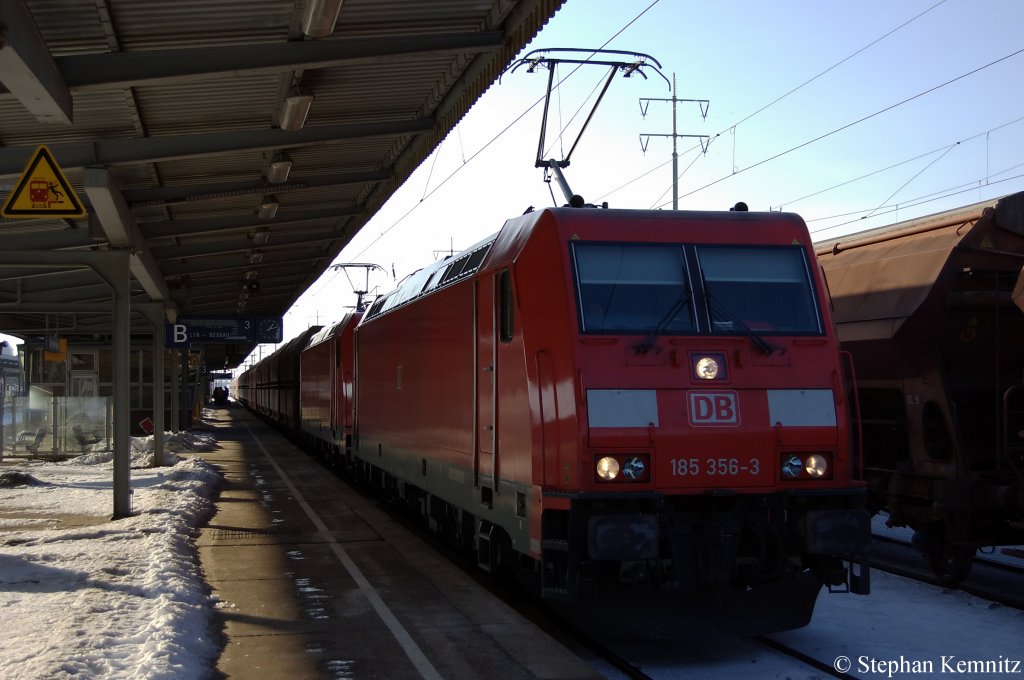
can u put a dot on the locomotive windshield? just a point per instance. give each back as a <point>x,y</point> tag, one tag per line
<point>633,288</point>
<point>766,289</point>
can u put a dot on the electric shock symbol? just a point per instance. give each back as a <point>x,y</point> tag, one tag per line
<point>42,191</point>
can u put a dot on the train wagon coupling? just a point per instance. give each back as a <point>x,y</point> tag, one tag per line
<point>550,58</point>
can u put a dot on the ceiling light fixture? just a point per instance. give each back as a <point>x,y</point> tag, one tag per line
<point>320,17</point>
<point>279,168</point>
<point>260,236</point>
<point>268,209</point>
<point>295,109</point>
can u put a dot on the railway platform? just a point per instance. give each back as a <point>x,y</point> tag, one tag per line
<point>314,580</point>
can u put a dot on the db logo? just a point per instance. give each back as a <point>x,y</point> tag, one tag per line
<point>714,409</point>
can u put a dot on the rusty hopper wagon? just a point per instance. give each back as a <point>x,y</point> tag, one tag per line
<point>927,310</point>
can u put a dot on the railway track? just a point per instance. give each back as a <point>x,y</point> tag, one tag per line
<point>739,657</point>
<point>905,621</point>
<point>843,633</point>
<point>989,579</point>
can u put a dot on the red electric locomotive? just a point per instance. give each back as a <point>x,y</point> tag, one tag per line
<point>326,397</point>
<point>643,412</point>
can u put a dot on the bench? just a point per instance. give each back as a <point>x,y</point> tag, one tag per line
<point>83,439</point>
<point>30,440</point>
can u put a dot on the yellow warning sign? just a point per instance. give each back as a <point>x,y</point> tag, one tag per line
<point>42,191</point>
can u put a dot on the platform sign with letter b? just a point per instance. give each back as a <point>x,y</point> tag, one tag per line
<point>193,330</point>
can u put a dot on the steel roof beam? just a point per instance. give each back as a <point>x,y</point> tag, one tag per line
<point>218,226</point>
<point>119,225</point>
<point>31,323</point>
<point>14,270</point>
<point>48,240</point>
<point>102,263</point>
<point>196,280</point>
<point>131,69</point>
<point>211,192</point>
<point>26,68</point>
<point>254,304</point>
<point>308,261</point>
<point>87,292</point>
<point>240,244</point>
<point>108,152</point>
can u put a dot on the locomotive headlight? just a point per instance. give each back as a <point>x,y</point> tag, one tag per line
<point>792,467</point>
<point>634,468</point>
<point>805,466</point>
<point>709,366</point>
<point>607,468</point>
<point>816,466</point>
<point>623,468</point>
<point>706,368</point>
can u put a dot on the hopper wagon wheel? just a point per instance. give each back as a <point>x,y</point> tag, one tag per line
<point>950,562</point>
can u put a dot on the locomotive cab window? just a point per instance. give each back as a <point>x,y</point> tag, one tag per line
<point>505,306</point>
<point>632,288</point>
<point>761,289</point>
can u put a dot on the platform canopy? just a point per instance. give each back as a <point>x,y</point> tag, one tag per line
<point>233,147</point>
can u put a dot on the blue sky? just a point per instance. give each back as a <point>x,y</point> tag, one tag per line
<point>870,81</point>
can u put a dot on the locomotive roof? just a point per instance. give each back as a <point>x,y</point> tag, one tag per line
<point>505,245</point>
<point>437,275</point>
<point>330,330</point>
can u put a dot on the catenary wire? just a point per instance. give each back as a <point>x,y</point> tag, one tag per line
<point>917,201</point>
<point>780,98</point>
<point>855,122</point>
<point>895,165</point>
<point>916,175</point>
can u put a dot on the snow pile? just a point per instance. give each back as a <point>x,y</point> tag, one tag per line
<point>121,599</point>
<point>13,478</point>
<point>142,449</point>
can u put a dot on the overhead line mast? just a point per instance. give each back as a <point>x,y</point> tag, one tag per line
<point>645,138</point>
